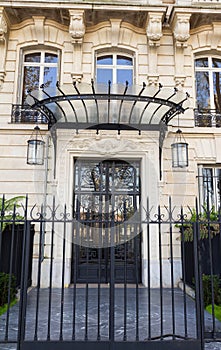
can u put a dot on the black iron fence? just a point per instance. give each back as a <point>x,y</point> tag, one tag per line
<point>147,298</point>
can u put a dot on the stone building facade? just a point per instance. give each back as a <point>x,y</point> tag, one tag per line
<point>173,43</point>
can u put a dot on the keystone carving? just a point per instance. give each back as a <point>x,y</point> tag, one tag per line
<point>154,28</point>
<point>181,29</point>
<point>39,28</point>
<point>77,26</point>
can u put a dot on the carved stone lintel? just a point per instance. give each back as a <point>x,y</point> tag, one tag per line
<point>3,26</point>
<point>181,29</point>
<point>154,28</point>
<point>77,26</point>
<point>180,81</point>
<point>153,79</point>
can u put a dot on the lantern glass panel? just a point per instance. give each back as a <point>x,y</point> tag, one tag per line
<point>179,155</point>
<point>35,154</point>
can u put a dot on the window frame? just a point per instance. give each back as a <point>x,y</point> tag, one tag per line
<point>210,69</point>
<point>40,64</point>
<point>212,181</point>
<point>115,66</point>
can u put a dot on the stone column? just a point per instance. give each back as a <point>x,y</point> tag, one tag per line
<point>3,44</point>
<point>154,34</point>
<point>77,31</point>
<point>181,33</point>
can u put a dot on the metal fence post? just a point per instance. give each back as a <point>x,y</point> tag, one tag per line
<point>24,284</point>
<point>198,280</point>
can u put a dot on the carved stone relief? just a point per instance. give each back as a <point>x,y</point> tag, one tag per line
<point>181,28</point>
<point>3,26</point>
<point>3,44</point>
<point>77,30</point>
<point>77,26</point>
<point>154,28</point>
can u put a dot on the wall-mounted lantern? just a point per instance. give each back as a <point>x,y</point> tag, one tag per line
<point>179,151</point>
<point>35,150</point>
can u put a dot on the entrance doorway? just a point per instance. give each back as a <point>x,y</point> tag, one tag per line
<point>107,211</point>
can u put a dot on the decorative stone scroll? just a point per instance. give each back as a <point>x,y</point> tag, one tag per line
<point>3,25</point>
<point>154,28</point>
<point>77,26</point>
<point>3,44</point>
<point>181,28</point>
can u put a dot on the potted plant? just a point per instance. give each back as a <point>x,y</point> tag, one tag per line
<point>12,232</point>
<point>208,221</point>
<point>209,226</point>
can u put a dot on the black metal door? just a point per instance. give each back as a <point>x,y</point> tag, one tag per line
<point>106,207</point>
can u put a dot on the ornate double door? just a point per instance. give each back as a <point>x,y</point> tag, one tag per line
<point>107,228</point>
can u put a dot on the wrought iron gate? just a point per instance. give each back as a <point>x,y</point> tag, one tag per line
<point>106,193</point>
<point>155,314</point>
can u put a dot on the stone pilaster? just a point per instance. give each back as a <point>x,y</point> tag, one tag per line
<point>77,30</point>
<point>154,34</point>
<point>181,34</point>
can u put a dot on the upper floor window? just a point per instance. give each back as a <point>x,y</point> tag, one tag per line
<point>114,67</point>
<point>210,186</point>
<point>208,81</point>
<point>39,68</point>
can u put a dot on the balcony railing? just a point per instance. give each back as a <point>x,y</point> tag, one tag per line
<point>208,1</point>
<point>24,114</point>
<point>207,118</point>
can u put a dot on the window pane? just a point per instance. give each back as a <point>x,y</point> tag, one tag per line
<point>208,186</point>
<point>218,185</point>
<point>50,76</point>
<point>105,60</point>
<point>33,57</point>
<point>201,62</point>
<point>124,61</point>
<point>104,75</point>
<point>216,90</point>
<point>216,62</point>
<point>51,58</point>
<point>124,75</point>
<point>31,79</point>
<point>202,90</point>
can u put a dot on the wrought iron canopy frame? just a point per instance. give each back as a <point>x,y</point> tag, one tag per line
<point>92,107</point>
<point>109,107</point>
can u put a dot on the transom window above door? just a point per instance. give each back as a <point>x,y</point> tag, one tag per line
<point>116,68</point>
<point>39,68</point>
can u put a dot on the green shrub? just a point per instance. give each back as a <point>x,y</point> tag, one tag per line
<point>8,211</point>
<point>217,311</point>
<point>208,220</point>
<point>207,289</point>
<point>4,285</point>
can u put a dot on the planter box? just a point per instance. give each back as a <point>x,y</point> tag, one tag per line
<point>210,263</point>
<point>16,248</point>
